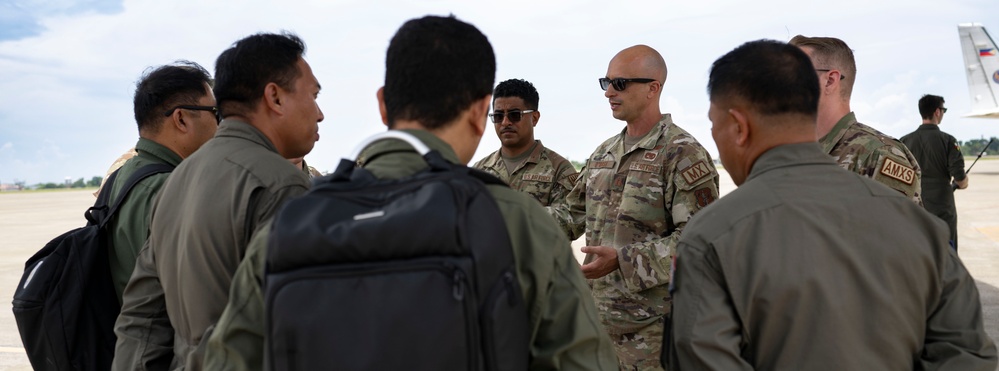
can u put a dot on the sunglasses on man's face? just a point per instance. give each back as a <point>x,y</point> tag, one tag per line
<point>620,83</point>
<point>213,110</point>
<point>513,115</point>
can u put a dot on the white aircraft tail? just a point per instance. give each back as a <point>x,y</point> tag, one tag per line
<point>981,60</point>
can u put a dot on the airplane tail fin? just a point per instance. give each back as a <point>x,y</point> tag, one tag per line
<point>981,59</point>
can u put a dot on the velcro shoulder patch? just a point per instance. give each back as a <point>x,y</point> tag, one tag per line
<point>695,172</point>
<point>897,171</point>
<point>537,178</point>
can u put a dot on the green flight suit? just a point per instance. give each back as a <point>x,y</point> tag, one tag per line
<point>638,200</point>
<point>201,224</point>
<point>566,332</point>
<point>809,267</point>
<point>940,158</point>
<point>130,226</point>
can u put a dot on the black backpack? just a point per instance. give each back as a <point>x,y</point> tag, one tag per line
<point>65,305</point>
<point>408,274</point>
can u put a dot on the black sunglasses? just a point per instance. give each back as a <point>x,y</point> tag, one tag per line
<point>213,110</point>
<point>943,109</point>
<point>620,83</point>
<point>513,115</point>
<point>841,75</point>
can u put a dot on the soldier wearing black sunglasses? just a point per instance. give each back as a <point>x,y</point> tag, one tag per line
<point>522,161</point>
<point>635,194</point>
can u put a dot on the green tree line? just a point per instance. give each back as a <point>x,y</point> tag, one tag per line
<point>974,146</point>
<point>79,183</point>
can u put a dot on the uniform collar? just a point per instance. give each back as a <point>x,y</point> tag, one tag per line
<point>148,148</point>
<point>239,129</point>
<point>789,155</point>
<point>394,145</point>
<point>929,127</point>
<point>838,131</point>
<point>650,139</point>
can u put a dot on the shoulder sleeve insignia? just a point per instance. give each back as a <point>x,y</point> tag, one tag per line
<point>898,171</point>
<point>695,172</point>
<point>703,196</point>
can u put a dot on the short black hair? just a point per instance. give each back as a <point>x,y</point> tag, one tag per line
<point>243,70</point>
<point>434,69</point>
<point>518,88</point>
<point>929,104</point>
<point>162,88</point>
<point>772,76</point>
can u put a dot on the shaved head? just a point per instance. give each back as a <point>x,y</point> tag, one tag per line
<point>643,61</point>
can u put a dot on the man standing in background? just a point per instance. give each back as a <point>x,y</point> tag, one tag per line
<point>940,158</point>
<point>522,161</point>
<point>855,146</point>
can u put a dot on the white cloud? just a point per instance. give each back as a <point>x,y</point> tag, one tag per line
<point>67,92</point>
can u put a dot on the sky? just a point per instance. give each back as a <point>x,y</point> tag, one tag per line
<point>68,68</point>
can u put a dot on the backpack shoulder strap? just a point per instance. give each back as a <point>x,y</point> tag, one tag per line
<point>143,173</point>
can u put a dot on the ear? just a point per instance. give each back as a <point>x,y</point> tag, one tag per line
<point>537,116</point>
<point>272,97</point>
<point>742,126</point>
<point>478,113</point>
<point>381,105</point>
<point>831,83</point>
<point>177,120</point>
<point>654,88</point>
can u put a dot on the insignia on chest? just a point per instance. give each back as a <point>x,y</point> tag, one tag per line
<point>537,178</point>
<point>644,167</point>
<point>602,164</point>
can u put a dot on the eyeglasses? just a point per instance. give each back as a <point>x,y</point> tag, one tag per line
<point>213,110</point>
<point>841,75</point>
<point>620,83</point>
<point>943,109</point>
<point>513,115</point>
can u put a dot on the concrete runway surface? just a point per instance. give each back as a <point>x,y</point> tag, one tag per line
<point>28,220</point>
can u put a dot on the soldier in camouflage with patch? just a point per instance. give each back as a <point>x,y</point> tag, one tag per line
<point>855,146</point>
<point>634,196</point>
<point>522,161</point>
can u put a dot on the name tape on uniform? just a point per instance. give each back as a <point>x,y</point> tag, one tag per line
<point>537,178</point>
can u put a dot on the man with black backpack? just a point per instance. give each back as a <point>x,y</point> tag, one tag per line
<point>176,114</point>
<point>214,201</point>
<point>377,289</point>
<point>70,295</point>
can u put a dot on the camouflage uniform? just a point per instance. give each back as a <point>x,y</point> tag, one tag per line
<point>310,171</point>
<point>545,175</point>
<point>637,201</point>
<point>862,149</point>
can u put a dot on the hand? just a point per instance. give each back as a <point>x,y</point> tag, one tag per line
<point>605,261</point>
<point>962,184</point>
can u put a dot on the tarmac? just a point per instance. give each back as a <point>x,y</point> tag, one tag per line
<point>30,219</point>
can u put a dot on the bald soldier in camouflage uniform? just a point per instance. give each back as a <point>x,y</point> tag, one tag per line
<point>634,196</point>
<point>855,146</point>
<point>522,161</point>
